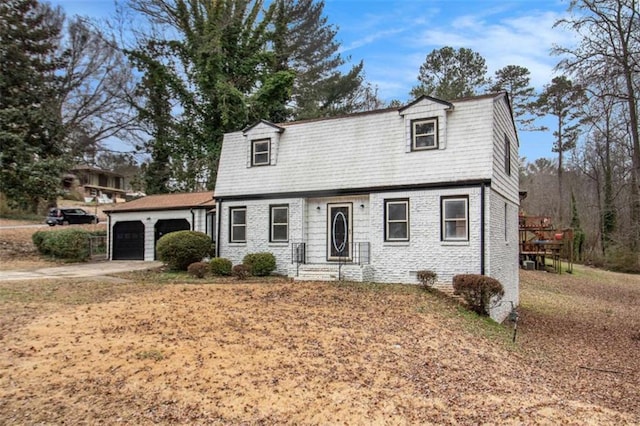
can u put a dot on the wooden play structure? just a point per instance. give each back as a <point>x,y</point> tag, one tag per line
<point>542,246</point>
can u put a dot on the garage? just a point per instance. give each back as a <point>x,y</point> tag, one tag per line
<point>134,227</point>
<point>128,240</point>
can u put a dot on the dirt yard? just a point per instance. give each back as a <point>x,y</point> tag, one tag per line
<point>164,348</point>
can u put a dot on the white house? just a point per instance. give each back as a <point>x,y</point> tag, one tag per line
<point>378,196</point>
<point>134,227</point>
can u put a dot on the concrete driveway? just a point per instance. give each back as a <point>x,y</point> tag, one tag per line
<point>79,270</point>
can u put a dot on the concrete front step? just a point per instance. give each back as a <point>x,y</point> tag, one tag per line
<point>317,273</point>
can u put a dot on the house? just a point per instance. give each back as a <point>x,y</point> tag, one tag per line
<point>380,195</point>
<point>96,184</point>
<point>134,227</point>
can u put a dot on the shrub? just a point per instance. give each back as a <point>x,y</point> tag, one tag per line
<point>260,264</point>
<point>180,249</point>
<point>427,278</point>
<point>621,259</point>
<point>477,291</point>
<point>220,266</point>
<point>67,244</point>
<point>241,272</point>
<point>198,269</point>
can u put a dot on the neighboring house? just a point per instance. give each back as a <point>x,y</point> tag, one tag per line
<point>380,195</point>
<point>96,184</point>
<point>134,227</point>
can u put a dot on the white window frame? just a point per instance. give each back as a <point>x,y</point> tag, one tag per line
<point>255,153</point>
<point>445,219</point>
<point>233,225</point>
<point>273,224</point>
<point>415,134</point>
<point>388,220</point>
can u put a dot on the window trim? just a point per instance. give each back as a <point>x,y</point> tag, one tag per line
<point>272,224</point>
<point>436,135</point>
<point>254,142</point>
<point>232,225</point>
<point>387,221</point>
<point>507,155</point>
<point>443,219</point>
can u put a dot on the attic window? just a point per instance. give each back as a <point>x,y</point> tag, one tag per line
<point>424,134</point>
<point>261,152</point>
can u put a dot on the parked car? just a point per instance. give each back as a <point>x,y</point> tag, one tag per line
<point>70,216</point>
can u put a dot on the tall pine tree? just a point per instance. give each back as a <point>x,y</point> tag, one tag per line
<point>31,134</point>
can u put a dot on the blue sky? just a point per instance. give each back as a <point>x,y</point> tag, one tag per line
<point>393,38</point>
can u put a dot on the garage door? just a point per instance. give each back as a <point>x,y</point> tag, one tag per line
<point>128,240</point>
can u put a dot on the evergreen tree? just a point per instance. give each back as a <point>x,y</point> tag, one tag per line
<point>305,43</point>
<point>31,133</point>
<point>450,74</point>
<point>515,80</point>
<point>562,99</point>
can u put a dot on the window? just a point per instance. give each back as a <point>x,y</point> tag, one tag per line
<point>424,134</point>
<point>454,219</point>
<point>507,156</point>
<point>261,152</point>
<point>238,225</point>
<point>396,220</point>
<point>279,220</point>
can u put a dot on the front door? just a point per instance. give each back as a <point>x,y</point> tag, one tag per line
<point>339,232</point>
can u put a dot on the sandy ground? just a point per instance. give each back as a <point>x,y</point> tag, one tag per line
<point>163,348</point>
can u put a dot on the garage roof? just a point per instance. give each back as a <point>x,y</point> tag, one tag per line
<point>176,201</point>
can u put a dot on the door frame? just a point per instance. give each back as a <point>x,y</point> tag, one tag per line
<point>331,222</point>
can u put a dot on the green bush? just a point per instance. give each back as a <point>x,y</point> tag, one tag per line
<point>180,249</point>
<point>198,269</point>
<point>260,264</point>
<point>220,266</point>
<point>477,291</point>
<point>67,244</point>
<point>241,272</point>
<point>427,278</point>
<point>621,259</point>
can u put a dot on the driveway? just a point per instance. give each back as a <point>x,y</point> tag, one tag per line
<point>79,270</point>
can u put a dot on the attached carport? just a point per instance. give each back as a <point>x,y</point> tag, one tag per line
<point>135,227</point>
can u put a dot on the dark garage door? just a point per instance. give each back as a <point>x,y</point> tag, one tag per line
<point>128,240</point>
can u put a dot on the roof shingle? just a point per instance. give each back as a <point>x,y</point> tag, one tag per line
<point>167,202</point>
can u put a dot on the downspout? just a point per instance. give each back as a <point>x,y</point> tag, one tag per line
<point>193,220</point>
<point>110,235</point>
<point>482,227</point>
<point>217,231</point>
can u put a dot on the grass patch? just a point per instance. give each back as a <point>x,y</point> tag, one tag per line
<point>152,354</point>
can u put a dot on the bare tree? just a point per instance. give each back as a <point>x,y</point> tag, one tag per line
<point>97,82</point>
<point>609,50</point>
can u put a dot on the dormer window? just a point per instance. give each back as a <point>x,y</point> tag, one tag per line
<point>261,152</point>
<point>424,134</point>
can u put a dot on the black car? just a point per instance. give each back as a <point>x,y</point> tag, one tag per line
<point>69,216</point>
